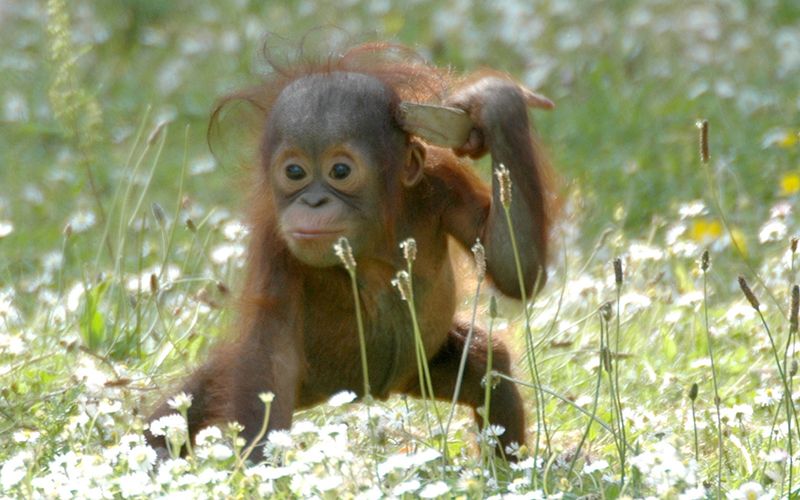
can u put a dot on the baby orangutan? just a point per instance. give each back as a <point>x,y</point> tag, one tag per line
<point>348,150</point>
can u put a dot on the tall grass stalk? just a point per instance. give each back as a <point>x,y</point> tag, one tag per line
<point>504,180</point>
<point>603,328</point>
<point>479,255</point>
<point>126,219</point>
<point>702,126</point>
<point>692,398</point>
<point>615,390</point>
<point>157,139</point>
<point>616,421</point>
<point>170,240</point>
<point>705,263</point>
<point>134,336</point>
<point>602,423</point>
<point>793,311</point>
<point>488,385</point>
<point>122,195</point>
<point>790,411</point>
<point>167,242</point>
<point>129,165</point>
<point>344,251</point>
<point>405,285</point>
<point>66,233</point>
<point>422,363</point>
<point>267,399</point>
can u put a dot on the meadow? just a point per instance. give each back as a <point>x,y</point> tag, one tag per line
<point>664,342</point>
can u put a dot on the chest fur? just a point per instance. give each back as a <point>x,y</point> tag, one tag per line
<point>331,335</point>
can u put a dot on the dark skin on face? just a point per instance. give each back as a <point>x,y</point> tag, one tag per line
<point>326,168</point>
<point>337,162</point>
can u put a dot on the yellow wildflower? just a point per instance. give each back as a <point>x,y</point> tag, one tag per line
<point>704,229</point>
<point>790,183</point>
<point>788,139</point>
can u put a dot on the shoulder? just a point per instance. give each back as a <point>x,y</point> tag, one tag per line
<point>449,175</point>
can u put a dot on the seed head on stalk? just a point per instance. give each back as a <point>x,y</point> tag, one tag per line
<point>748,293</point>
<point>693,391</point>
<point>159,214</point>
<point>618,271</point>
<point>607,311</point>
<point>409,248</point>
<point>403,283</point>
<point>479,254</point>
<point>504,179</point>
<point>344,251</point>
<point>702,126</point>
<point>794,309</point>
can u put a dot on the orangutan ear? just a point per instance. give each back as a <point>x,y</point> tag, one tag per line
<point>437,125</point>
<point>414,166</point>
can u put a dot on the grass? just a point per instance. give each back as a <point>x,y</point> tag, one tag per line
<point>121,246</point>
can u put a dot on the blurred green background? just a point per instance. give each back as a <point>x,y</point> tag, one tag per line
<point>629,78</point>
<point>90,89</point>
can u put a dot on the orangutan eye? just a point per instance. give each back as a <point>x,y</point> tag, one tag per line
<point>340,171</point>
<point>295,172</point>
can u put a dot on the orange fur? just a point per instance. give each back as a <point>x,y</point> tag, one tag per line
<point>296,334</point>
